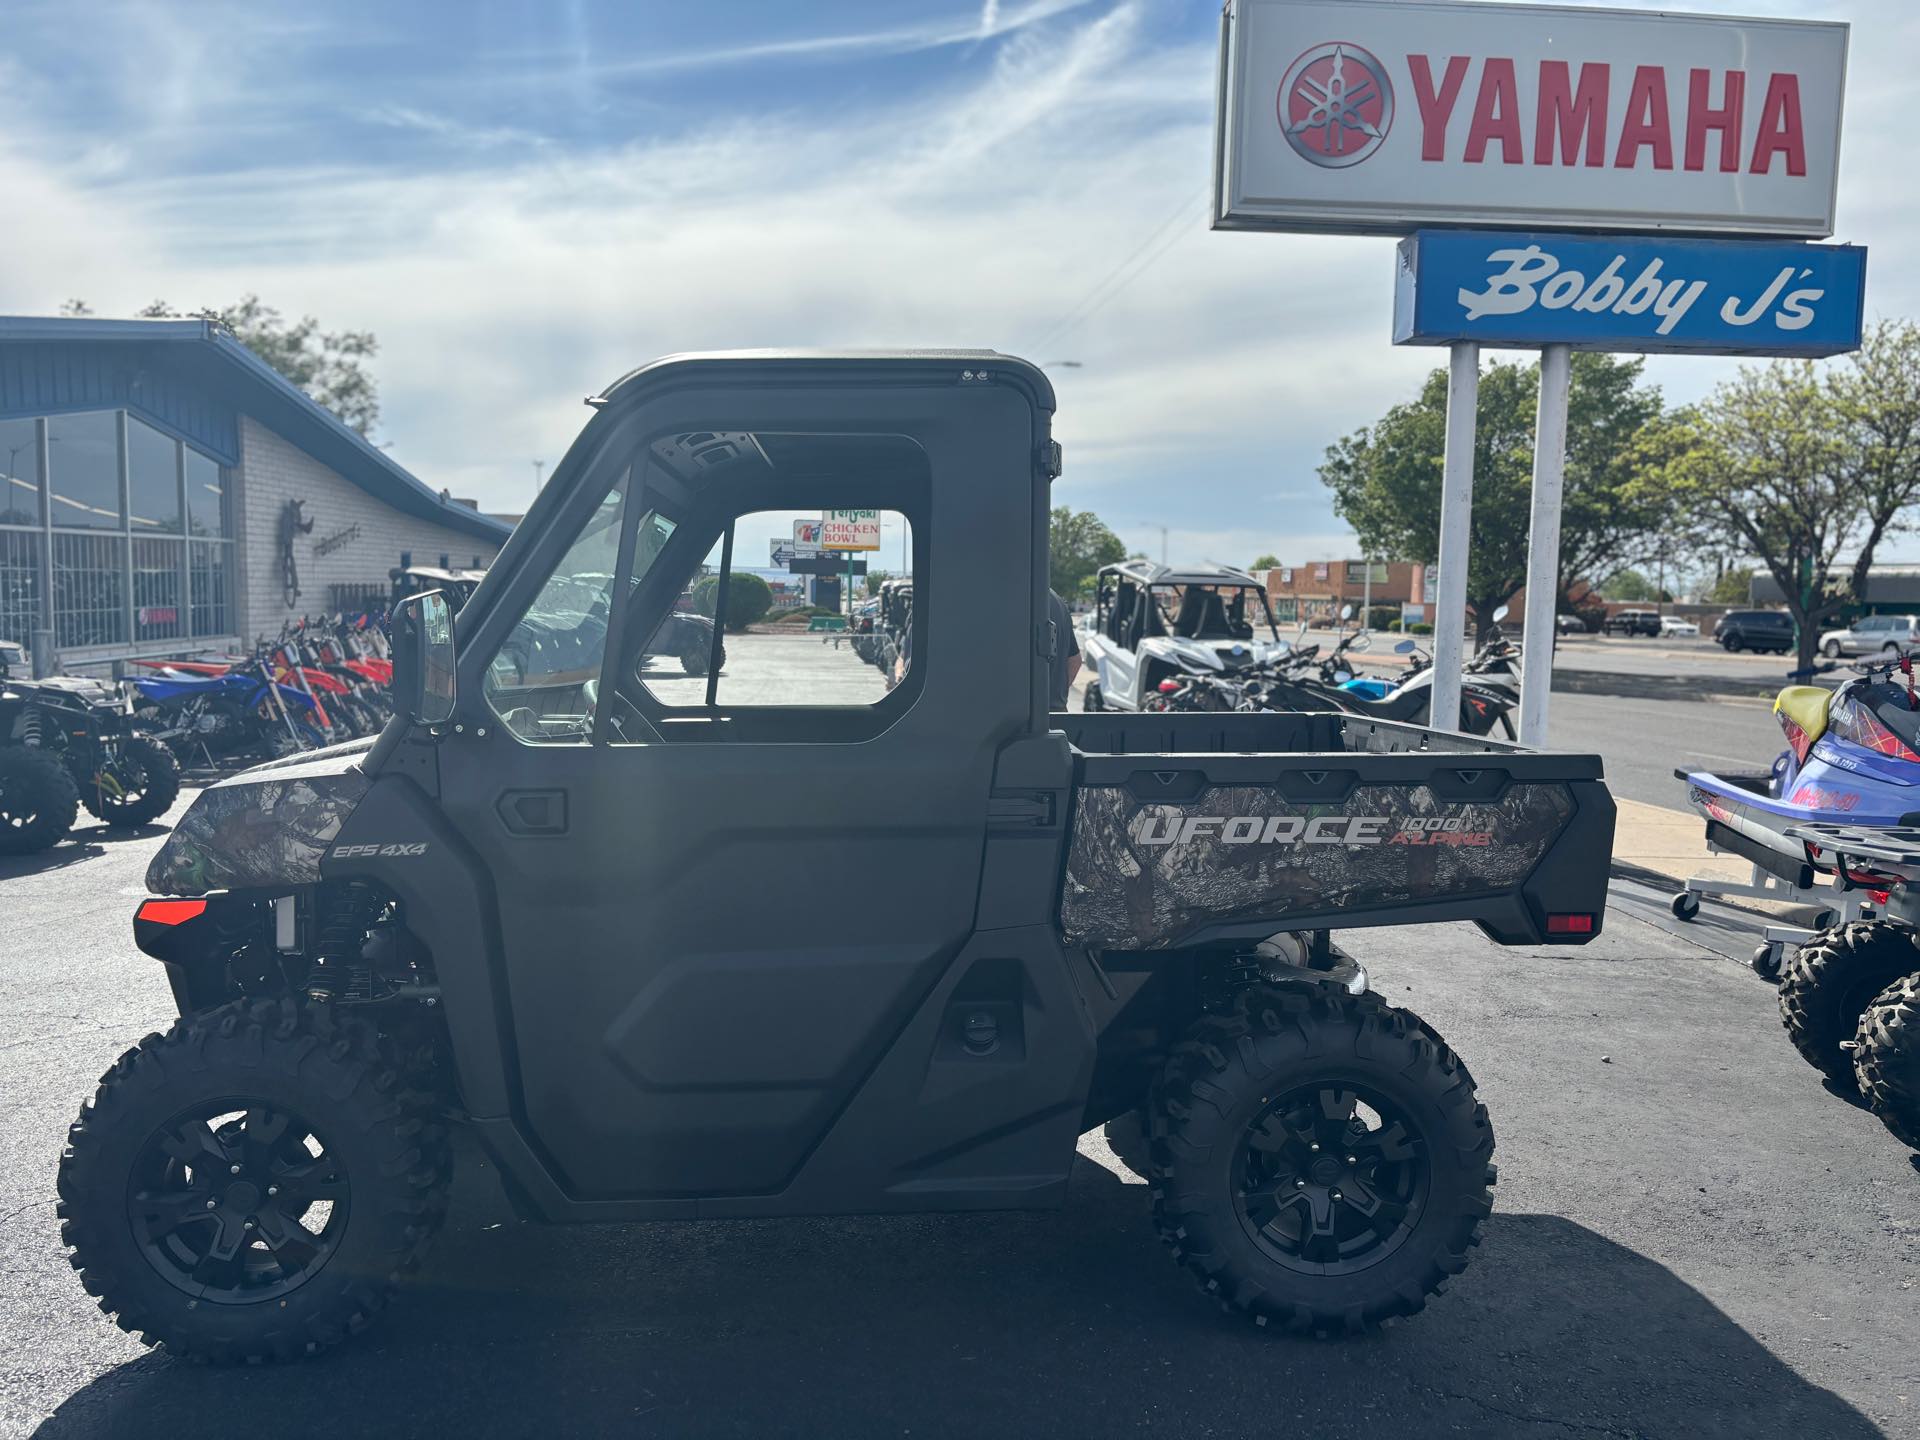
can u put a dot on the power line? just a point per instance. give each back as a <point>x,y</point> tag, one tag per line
<point>1118,278</point>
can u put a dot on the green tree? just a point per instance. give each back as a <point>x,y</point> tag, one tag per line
<point>748,598</point>
<point>1734,587</point>
<point>875,579</point>
<point>1266,562</point>
<point>1386,477</point>
<point>1078,544</point>
<point>330,365</point>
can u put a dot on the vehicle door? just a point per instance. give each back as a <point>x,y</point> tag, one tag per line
<point>1120,664</point>
<point>721,895</point>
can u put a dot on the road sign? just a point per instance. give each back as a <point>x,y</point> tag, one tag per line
<point>1377,116</point>
<point>1634,293</point>
<point>827,565</point>
<point>850,530</point>
<point>781,551</point>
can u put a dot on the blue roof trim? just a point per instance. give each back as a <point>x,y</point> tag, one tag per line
<point>246,381</point>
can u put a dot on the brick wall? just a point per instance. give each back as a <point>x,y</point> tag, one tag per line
<point>272,471</point>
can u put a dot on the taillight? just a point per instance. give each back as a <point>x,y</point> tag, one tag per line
<point>170,912</point>
<point>1570,924</point>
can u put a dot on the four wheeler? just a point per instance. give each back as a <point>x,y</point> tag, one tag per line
<point>588,920</point>
<point>1154,622</point>
<point>67,742</point>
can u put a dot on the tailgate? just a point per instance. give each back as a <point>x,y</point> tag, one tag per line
<point>1180,849</point>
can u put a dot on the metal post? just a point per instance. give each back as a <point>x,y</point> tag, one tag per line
<point>1366,594</point>
<point>1543,543</point>
<point>1456,522</point>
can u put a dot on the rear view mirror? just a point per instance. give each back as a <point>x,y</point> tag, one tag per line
<point>423,678</point>
<point>1346,612</point>
<point>1405,647</point>
<point>1501,613</point>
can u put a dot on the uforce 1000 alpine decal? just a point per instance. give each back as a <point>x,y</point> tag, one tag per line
<point>1144,875</point>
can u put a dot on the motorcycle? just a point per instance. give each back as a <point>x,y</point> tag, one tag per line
<point>237,711</point>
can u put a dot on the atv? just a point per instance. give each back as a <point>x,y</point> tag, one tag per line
<point>591,924</point>
<point>68,742</point>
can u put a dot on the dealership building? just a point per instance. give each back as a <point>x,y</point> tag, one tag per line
<point>167,492</point>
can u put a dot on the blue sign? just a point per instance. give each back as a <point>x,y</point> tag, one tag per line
<point>1628,292</point>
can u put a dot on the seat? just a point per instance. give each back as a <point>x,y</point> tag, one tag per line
<point>1803,714</point>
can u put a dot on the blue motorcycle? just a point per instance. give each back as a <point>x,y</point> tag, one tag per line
<point>227,714</point>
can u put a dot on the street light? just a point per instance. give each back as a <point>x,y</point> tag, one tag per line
<point>1156,525</point>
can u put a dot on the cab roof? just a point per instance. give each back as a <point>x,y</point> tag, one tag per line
<point>1145,572</point>
<point>853,367</point>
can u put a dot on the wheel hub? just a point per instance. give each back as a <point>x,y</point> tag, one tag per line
<point>1331,1178</point>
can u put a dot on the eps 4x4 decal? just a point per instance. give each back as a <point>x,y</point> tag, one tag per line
<point>356,852</point>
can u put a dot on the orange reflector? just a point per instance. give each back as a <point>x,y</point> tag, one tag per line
<point>170,912</point>
<point>1569,924</point>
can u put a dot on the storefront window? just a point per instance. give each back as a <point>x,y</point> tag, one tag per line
<point>206,495</point>
<point>83,470</point>
<point>20,482</point>
<point>89,590</point>
<point>153,479</point>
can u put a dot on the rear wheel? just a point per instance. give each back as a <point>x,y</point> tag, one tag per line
<point>1321,1161</point>
<point>1829,983</point>
<point>1886,1058</point>
<point>1831,649</point>
<point>252,1184</point>
<point>1731,644</point>
<point>693,659</point>
<point>1091,699</point>
<point>139,783</point>
<point>38,800</point>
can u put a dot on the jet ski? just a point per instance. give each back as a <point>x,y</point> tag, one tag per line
<point>1852,758</point>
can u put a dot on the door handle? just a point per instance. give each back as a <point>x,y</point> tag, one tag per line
<point>533,812</point>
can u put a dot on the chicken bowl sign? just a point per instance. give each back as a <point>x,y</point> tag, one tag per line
<point>1371,116</point>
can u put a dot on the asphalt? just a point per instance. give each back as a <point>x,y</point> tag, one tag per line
<point>1692,1238</point>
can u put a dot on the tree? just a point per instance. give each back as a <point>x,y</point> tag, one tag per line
<point>748,598</point>
<point>1386,478</point>
<point>1266,562</point>
<point>1734,587</point>
<point>1078,544</point>
<point>875,579</point>
<point>330,365</point>
<point>1628,584</point>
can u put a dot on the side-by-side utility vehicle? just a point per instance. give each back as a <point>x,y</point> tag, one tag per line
<point>603,919</point>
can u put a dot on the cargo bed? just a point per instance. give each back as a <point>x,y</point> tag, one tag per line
<point>1200,828</point>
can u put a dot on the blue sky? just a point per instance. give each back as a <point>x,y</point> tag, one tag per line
<point>525,200</point>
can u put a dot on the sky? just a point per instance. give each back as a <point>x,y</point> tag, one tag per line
<point>526,200</point>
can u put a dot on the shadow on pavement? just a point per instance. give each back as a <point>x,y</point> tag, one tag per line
<point>1690,686</point>
<point>1061,1324</point>
<point>57,857</point>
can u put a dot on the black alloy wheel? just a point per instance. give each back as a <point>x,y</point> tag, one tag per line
<point>1331,1179</point>
<point>235,1201</point>
<point>139,782</point>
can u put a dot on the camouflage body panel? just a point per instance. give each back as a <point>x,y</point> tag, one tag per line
<point>263,827</point>
<point>1147,875</point>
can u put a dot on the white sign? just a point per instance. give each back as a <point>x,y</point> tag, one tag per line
<point>849,530</point>
<point>1380,116</point>
<point>800,547</point>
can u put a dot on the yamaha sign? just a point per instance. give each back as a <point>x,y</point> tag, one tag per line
<point>1382,116</point>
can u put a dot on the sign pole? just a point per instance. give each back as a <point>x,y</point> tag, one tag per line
<point>1543,543</point>
<point>1456,523</point>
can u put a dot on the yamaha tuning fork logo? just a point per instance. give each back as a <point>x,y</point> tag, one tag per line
<point>1336,105</point>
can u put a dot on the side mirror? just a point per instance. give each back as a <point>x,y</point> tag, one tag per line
<point>1405,647</point>
<point>423,680</point>
<point>1346,613</point>
<point>1362,641</point>
<point>1500,613</point>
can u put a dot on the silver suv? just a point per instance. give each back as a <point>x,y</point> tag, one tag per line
<point>1873,635</point>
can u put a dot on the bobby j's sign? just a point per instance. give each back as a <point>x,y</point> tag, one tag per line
<point>1628,293</point>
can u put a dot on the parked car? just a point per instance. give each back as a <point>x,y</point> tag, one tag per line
<point>1766,631</point>
<point>1631,622</point>
<point>1675,625</point>
<point>1873,635</point>
<point>1570,625</point>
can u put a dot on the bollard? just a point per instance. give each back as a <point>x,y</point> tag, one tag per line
<point>46,660</point>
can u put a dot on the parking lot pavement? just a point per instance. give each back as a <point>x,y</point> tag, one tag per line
<point>1692,1238</point>
<point>775,669</point>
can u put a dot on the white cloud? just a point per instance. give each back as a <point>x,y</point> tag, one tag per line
<point>508,286</point>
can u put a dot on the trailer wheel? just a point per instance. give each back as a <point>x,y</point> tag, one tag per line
<point>1886,1058</point>
<point>1321,1160</point>
<point>252,1184</point>
<point>1686,905</point>
<point>38,800</point>
<point>1830,981</point>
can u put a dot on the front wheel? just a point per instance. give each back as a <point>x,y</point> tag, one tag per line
<point>251,1185</point>
<point>139,783</point>
<point>1831,649</point>
<point>38,800</point>
<point>694,659</point>
<point>1731,644</point>
<point>1321,1161</point>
